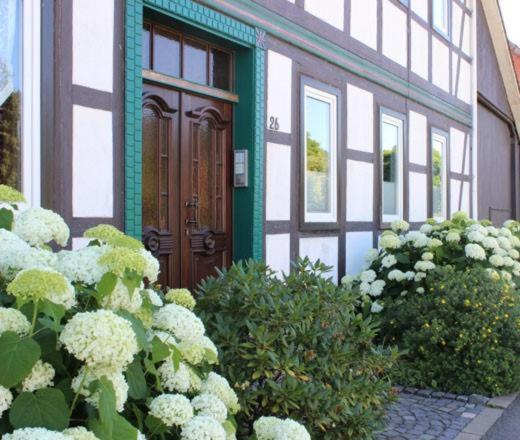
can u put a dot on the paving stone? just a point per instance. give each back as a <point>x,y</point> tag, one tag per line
<point>478,399</point>
<point>438,394</point>
<point>425,393</point>
<point>462,398</point>
<point>411,390</point>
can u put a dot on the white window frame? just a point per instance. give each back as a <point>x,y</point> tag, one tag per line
<point>31,101</point>
<point>442,30</point>
<point>441,137</point>
<point>389,117</point>
<point>332,100</point>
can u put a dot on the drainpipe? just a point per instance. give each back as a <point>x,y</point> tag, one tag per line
<point>474,137</point>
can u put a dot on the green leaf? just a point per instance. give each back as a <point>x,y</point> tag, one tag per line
<point>106,285</point>
<point>123,430</point>
<point>54,311</point>
<point>176,357</point>
<point>160,350</point>
<point>18,357</point>
<point>229,427</point>
<point>155,425</point>
<point>132,280</point>
<point>138,327</point>
<point>46,408</point>
<point>107,404</point>
<point>6,219</point>
<point>210,356</point>
<point>402,258</point>
<point>137,388</point>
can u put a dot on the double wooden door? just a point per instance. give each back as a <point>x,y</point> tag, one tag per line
<point>187,193</point>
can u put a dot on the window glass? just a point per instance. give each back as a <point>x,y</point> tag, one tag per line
<point>146,47</point>
<point>195,62</point>
<point>219,62</point>
<point>320,156</point>
<point>440,15</point>
<point>166,53</point>
<point>391,151</point>
<point>10,92</point>
<point>439,175</point>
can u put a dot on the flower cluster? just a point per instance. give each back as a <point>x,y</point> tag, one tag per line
<point>12,320</point>
<point>272,428</point>
<point>41,376</point>
<point>38,226</point>
<point>181,297</point>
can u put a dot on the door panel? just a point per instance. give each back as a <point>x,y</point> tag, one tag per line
<point>186,184</point>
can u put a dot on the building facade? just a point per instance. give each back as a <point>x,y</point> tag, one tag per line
<point>218,130</point>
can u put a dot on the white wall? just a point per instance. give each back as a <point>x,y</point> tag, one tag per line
<point>324,249</point>
<point>330,11</point>
<point>363,22</point>
<point>279,90</point>
<point>357,244</point>
<point>278,182</point>
<point>278,252</point>
<point>395,33</point>
<point>360,119</point>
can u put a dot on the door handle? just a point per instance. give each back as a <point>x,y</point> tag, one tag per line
<point>194,203</point>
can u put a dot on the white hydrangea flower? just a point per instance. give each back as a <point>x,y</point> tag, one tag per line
<point>272,428</point>
<point>12,320</point>
<point>475,236</point>
<point>404,293</point>
<point>424,266</point>
<point>410,275</point>
<point>368,276</point>
<point>264,427</point>
<point>210,405</point>
<point>101,339</point>
<point>399,226</point>
<point>396,275</point>
<point>203,428</point>
<point>417,238</point>
<point>453,237</point>
<point>195,381</point>
<point>388,261</point>
<point>420,290</point>
<point>376,289</point>
<point>426,229</point>
<point>427,256</point>
<point>376,307</point>
<point>371,256</point>
<point>195,352</point>
<point>496,260</point>
<point>492,231</point>
<point>475,251</point>
<point>434,243</point>
<point>506,275</point>
<point>152,268</point>
<point>390,241</point>
<point>80,384</point>
<point>171,409</point>
<point>41,376</point>
<point>508,261</point>
<point>364,287</point>
<point>513,253</point>
<point>419,276</point>
<point>504,243</point>
<point>121,299</point>
<point>516,269</point>
<point>184,324</point>
<point>477,227</point>
<point>80,433</point>
<point>347,280</point>
<point>501,252</point>
<point>6,398</point>
<point>505,232</point>
<point>219,386</point>
<point>35,434</point>
<point>172,379</point>
<point>81,265</point>
<point>515,241</point>
<point>490,243</point>
<point>154,297</point>
<point>39,226</point>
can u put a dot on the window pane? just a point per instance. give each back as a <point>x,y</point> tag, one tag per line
<point>219,63</point>
<point>390,146</point>
<point>195,62</point>
<point>440,15</point>
<point>10,92</point>
<point>166,53</point>
<point>318,145</point>
<point>146,47</point>
<point>437,178</point>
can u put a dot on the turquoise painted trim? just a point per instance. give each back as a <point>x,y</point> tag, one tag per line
<point>248,213</point>
<point>256,15</point>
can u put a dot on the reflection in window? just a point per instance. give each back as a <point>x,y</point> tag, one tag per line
<point>10,92</point>
<point>391,152</point>
<point>439,175</point>
<point>320,156</point>
<point>166,53</point>
<point>195,62</point>
<point>441,16</point>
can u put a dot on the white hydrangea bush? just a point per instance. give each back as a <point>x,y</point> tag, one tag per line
<point>405,257</point>
<point>89,344</point>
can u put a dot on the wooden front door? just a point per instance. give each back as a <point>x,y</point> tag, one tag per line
<point>186,184</point>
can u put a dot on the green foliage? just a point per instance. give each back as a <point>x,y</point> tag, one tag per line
<point>18,356</point>
<point>298,348</point>
<point>462,335</point>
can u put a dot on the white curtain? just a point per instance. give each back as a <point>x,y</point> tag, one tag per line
<point>9,46</point>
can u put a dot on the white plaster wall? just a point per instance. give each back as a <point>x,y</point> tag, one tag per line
<point>456,27</point>
<point>418,193</point>
<point>418,138</point>
<point>464,87</point>
<point>360,191</point>
<point>420,49</point>
<point>360,119</point>
<point>441,66</point>
<point>324,249</point>
<point>278,252</point>
<point>457,147</point>
<point>330,11</point>
<point>92,163</point>
<point>420,7</point>
<point>395,33</point>
<point>466,35</point>
<point>278,182</point>
<point>455,196</point>
<point>363,21</point>
<point>357,244</point>
<point>80,242</point>
<point>279,90</point>
<point>93,43</point>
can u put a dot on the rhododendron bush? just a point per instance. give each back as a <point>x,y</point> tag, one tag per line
<point>91,350</point>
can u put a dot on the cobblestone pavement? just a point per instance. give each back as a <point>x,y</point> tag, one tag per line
<point>426,415</point>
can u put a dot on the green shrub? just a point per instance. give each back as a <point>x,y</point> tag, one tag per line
<point>462,335</point>
<point>297,347</point>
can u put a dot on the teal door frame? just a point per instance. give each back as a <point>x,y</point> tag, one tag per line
<point>248,203</point>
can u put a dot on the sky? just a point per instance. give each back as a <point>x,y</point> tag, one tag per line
<point>511,15</point>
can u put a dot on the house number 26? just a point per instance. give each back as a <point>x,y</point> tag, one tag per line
<point>273,123</point>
